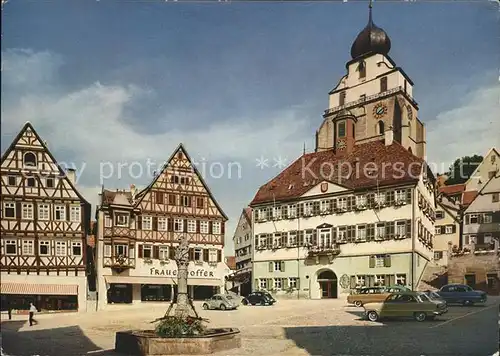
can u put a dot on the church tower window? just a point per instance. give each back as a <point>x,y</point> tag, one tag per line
<point>383,84</point>
<point>341,129</point>
<point>342,98</point>
<point>362,70</point>
<point>380,127</point>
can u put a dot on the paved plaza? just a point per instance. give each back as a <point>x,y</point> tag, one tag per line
<point>295,327</point>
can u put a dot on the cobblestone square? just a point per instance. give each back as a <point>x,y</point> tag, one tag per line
<point>292,327</point>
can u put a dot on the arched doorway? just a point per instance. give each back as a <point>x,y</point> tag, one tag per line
<point>327,280</point>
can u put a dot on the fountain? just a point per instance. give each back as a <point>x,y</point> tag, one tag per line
<point>183,333</point>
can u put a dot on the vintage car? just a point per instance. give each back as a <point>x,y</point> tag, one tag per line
<point>259,298</point>
<point>414,305</point>
<point>435,297</point>
<point>221,302</point>
<point>373,294</point>
<point>462,294</point>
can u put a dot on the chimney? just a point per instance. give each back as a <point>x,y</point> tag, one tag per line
<point>71,174</point>
<point>389,136</point>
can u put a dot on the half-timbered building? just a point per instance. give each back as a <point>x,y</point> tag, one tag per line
<point>44,226</point>
<point>138,232</point>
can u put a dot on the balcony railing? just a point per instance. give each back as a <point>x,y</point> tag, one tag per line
<point>323,250</point>
<point>119,262</point>
<point>368,98</point>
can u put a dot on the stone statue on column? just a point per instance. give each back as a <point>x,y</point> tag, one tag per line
<point>182,258</point>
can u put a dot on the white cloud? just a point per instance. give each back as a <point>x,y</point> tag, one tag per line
<point>472,128</point>
<point>89,123</point>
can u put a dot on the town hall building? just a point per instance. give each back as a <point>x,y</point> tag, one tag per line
<point>360,209</point>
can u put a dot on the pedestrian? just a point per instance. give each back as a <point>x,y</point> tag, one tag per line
<point>33,310</point>
<point>9,310</point>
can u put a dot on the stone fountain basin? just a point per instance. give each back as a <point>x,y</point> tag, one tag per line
<point>147,343</point>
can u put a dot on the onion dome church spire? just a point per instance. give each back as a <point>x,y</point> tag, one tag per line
<point>371,39</point>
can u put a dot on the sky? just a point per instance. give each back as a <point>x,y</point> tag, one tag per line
<point>112,84</point>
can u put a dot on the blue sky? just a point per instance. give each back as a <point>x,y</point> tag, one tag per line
<point>110,81</point>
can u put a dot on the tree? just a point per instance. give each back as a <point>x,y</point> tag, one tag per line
<point>461,170</point>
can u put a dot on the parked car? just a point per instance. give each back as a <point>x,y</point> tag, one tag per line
<point>367,295</point>
<point>238,299</point>
<point>462,294</point>
<point>259,298</point>
<point>219,301</point>
<point>404,305</point>
<point>434,297</point>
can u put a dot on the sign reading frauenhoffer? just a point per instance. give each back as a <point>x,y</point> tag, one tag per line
<point>197,273</point>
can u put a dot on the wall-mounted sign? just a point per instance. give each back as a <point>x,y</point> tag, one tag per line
<point>197,273</point>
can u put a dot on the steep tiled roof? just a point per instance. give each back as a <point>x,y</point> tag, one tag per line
<point>452,189</point>
<point>468,197</point>
<point>231,262</point>
<point>390,165</point>
<point>248,214</point>
<point>116,197</point>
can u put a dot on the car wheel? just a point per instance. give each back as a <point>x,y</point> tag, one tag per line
<point>373,316</point>
<point>222,307</point>
<point>466,303</point>
<point>205,306</point>
<point>253,303</point>
<point>420,316</point>
<point>358,303</point>
<point>244,302</point>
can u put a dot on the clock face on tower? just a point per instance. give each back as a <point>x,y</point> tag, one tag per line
<point>379,110</point>
<point>340,144</point>
<point>410,113</point>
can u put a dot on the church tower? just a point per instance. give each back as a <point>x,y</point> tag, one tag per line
<point>373,97</point>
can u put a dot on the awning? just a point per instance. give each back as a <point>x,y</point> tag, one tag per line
<point>38,289</point>
<point>157,280</point>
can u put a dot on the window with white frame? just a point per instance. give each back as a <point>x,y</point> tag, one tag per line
<point>324,206</point>
<point>28,247</point>
<point>488,238</point>
<point>147,222</point>
<point>147,251</point>
<point>292,211</point>
<point>121,219</point>
<point>487,218</point>
<point>204,227</point>
<point>261,214</point>
<point>162,224</point>
<point>380,230</point>
<point>401,279</point>
<point>107,221</point>
<point>27,211</point>
<point>44,212</point>
<point>379,261</point>
<point>360,281</point>
<point>439,214</point>
<point>9,210</point>
<point>277,266</point>
<point>342,203</point>
<point>438,230</point>
<point>75,214</point>
<point>178,225</point>
<point>449,229</point>
<point>61,248</point>
<point>473,218</point>
<point>400,195</point>
<point>43,248</point>
<point>361,233</point>
<point>292,238</point>
<point>401,228</point>
<point>379,280</point>
<point>191,225</point>
<point>107,250</point>
<point>262,283</point>
<point>60,212</point>
<point>76,248</point>
<point>277,212</point>
<point>163,252</point>
<point>212,255</point>
<point>277,283</point>
<point>292,282</point>
<point>216,227</point>
<point>342,233</point>
<point>308,208</point>
<point>121,250</point>
<point>361,201</point>
<point>380,198</point>
<point>324,239</point>
<point>198,254</point>
<point>308,237</point>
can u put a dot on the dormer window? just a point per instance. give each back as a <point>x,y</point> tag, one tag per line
<point>29,159</point>
<point>362,70</point>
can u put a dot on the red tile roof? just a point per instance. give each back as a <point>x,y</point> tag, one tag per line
<point>231,262</point>
<point>108,196</point>
<point>452,189</point>
<point>248,214</point>
<point>468,197</point>
<point>368,165</point>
